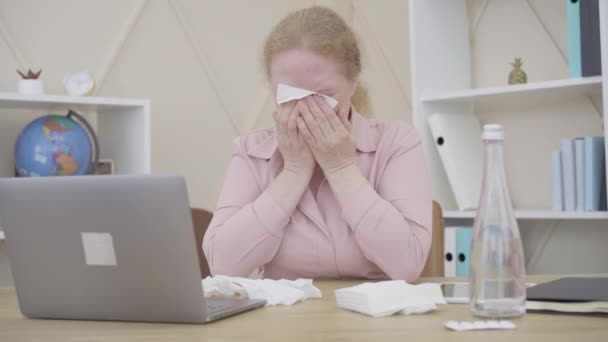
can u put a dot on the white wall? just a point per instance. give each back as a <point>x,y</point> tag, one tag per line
<point>199,62</point>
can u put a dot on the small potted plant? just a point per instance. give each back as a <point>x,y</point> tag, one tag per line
<point>30,82</point>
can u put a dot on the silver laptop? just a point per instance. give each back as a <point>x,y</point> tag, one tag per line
<point>106,248</point>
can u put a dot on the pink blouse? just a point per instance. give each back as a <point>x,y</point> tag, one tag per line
<point>384,231</point>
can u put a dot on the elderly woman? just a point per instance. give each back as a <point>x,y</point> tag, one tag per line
<point>326,193</point>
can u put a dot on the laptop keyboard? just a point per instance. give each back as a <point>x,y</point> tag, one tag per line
<point>222,307</point>
<point>221,304</point>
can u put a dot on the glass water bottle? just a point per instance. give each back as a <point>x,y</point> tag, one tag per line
<point>497,271</point>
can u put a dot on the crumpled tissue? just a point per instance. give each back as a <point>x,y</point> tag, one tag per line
<point>275,292</point>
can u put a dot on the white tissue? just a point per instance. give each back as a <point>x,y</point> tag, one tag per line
<point>479,325</point>
<point>275,292</point>
<point>389,297</point>
<point>286,93</point>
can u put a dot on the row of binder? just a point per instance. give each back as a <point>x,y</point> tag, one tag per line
<point>457,251</point>
<point>584,50</point>
<point>579,175</point>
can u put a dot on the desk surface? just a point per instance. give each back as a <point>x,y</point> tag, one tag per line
<point>313,320</point>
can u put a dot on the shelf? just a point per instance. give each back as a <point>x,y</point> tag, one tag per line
<point>122,126</point>
<point>535,215</point>
<point>44,102</point>
<point>531,93</point>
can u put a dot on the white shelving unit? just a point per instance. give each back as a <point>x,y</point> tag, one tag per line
<point>439,41</point>
<point>531,93</point>
<point>535,215</point>
<point>122,125</point>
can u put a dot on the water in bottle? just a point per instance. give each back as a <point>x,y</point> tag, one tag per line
<point>497,271</point>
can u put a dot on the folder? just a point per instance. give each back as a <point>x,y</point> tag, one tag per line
<point>595,173</point>
<point>603,195</point>
<point>574,38</point>
<point>579,158</point>
<point>569,295</point>
<point>568,174</point>
<point>463,250</point>
<point>449,251</point>
<point>458,140</point>
<point>591,56</point>
<point>556,168</point>
<point>603,199</point>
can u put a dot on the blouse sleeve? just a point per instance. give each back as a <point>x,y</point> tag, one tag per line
<point>247,225</point>
<point>393,223</point>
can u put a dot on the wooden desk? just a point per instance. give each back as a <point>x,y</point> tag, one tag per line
<point>313,320</point>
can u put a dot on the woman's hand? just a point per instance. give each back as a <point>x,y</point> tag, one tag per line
<point>297,157</point>
<point>328,134</point>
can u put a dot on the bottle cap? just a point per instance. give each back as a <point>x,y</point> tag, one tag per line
<point>493,132</point>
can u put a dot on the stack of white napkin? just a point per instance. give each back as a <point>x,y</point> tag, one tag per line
<point>275,292</point>
<point>389,297</point>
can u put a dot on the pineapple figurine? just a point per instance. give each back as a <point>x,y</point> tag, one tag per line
<point>517,75</point>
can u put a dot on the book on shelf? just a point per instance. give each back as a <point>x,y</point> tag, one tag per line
<point>568,174</point>
<point>556,169</point>
<point>579,164</point>
<point>579,175</point>
<point>574,37</point>
<point>584,48</point>
<point>591,56</point>
<point>595,174</point>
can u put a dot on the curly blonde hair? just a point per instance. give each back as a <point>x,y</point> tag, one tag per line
<point>322,30</point>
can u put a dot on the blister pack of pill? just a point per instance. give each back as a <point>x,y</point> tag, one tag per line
<point>480,325</point>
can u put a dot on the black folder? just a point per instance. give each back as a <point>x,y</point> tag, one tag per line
<point>591,56</point>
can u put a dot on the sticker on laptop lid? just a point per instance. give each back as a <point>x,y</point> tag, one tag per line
<point>98,249</point>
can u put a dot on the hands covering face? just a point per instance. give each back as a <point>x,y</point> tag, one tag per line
<point>309,129</point>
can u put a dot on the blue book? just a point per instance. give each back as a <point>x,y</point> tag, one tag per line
<point>568,174</point>
<point>603,195</point>
<point>595,173</point>
<point>463,250</point>
<point>574,38</point>
<point>579,161</point>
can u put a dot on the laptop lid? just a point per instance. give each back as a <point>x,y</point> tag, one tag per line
<point>102,247</point>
